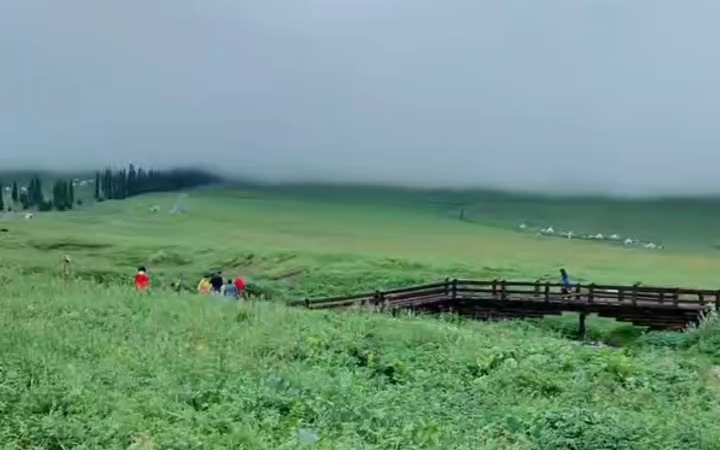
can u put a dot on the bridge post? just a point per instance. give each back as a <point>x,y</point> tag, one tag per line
<point>547,292</point>
<point>494,287</point>
<point>454,288</point>
<point>447,287</point>
<point>503,290</point>
<point>582,330</point>
<point>717,301</point>
<point>307,303</point>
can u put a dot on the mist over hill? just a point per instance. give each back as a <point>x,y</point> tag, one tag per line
<point>559,96</point>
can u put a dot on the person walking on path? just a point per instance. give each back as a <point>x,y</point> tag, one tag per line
<point>565,280</point>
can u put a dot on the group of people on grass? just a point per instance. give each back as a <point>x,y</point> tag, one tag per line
<point>210,284</point>
<point>213,284</point>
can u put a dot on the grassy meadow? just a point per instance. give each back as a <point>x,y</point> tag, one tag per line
<point>87,363</point>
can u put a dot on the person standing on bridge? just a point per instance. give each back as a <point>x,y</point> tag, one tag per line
<point>565,280</point>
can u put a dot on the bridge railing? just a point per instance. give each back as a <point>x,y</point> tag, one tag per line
<point>534,291</point>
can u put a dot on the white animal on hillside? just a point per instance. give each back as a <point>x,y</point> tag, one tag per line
<point>523,226</point>
<point>155,209</point>
<point>548,230</point>
<point>614,237</point>
<point>628,241</point>
<point>650,245</point>
<point>29,216</point>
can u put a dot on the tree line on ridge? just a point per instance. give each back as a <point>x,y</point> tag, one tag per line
<point>110,184</point>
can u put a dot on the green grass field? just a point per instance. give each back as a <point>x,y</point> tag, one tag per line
<point>90,364</point>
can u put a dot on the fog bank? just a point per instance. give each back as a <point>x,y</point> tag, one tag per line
<point>603,96</point>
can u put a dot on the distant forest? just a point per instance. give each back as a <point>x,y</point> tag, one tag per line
<point>117,184</point>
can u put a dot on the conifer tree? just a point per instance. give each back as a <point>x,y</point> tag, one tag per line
<point>97,186</point>
<point>59,195</point>
<point>69,194</point>
<point>24,200</point>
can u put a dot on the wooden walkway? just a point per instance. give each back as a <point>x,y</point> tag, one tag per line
<point>658,308</point>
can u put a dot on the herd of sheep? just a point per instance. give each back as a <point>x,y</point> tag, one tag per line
<point>76,183</point>
<point>614,238</point>
<point>23,189</point>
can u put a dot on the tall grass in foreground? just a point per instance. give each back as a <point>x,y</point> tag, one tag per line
<point>89,367</point>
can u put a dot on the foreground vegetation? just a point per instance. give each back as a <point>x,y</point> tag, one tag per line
<point>88,363</point>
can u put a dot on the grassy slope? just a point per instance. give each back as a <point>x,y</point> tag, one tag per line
<point>333,246</point>
<point>104,368</point>
<point>680,224</point>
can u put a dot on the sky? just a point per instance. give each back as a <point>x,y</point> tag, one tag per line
<point>607,96</point>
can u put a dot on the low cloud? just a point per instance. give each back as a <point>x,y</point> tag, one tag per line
<point>560,95</point>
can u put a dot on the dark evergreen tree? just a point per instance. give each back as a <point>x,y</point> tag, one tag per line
<point>15,197</point>
<point>97,186</point>
<point>39,196</point>
<point>30,190</point>
<point>31,193</point>
<point>131,181</point>
<point>118,184</point>
<point>59,192</point>
<point>70,194</point>
<point>24,199</point>
<point>35,192</point>
<point>107,184</point>
<point>2,197</point>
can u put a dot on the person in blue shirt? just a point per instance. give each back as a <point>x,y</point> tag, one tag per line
<point>565,280</point>
<point>229,290</point>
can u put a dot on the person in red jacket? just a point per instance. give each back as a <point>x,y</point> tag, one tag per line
<point>239,283</point>
<point>142,280</point>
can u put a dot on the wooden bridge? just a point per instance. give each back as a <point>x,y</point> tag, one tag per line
<point>658,308</point>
